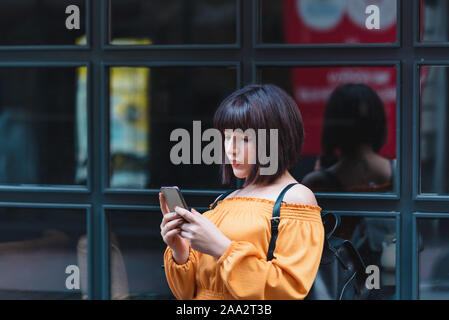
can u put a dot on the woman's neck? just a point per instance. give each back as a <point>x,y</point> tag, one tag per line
<point>284,179</point>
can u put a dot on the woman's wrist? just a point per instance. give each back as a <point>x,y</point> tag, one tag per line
<point>181,258</point>
<point>222,248</point>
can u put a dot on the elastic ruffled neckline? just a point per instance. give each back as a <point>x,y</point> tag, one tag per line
<point>271,202</point>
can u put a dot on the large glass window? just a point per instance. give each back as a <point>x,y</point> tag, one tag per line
<point>136,256</point>
<point>43,253</point>
<point>146,106</point>
<point>349,116</point>
<point>328,22</point>
<point>376,240</point>
<point>434,26</point>
<point>433,255</point>
<point>434,133</point>
<point>43,126</point>
<point>31,22</point>
<point>173,22</point>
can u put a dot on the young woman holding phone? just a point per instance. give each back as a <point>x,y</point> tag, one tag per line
<point>222,253</point>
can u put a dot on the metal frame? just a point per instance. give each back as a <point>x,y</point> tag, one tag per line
<point>246,55</point>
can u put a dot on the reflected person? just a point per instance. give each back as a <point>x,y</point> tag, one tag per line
<point>354,131</point>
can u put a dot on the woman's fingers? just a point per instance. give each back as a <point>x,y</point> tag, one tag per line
<point>172,224</point>
<point>186,214</point>
<point>169,218</point>
<point>170,234</point>
<point>163,204</point>
<point>186,235</point>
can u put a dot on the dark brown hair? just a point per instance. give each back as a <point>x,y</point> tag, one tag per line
<point>262,107</point>
<point>354,115</point>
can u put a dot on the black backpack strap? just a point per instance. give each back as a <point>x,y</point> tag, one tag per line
<point>275,219</point>
<point>221,197</point>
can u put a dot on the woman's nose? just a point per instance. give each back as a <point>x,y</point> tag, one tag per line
<point>232,147</point>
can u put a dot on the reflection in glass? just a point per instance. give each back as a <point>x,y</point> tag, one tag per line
<point>36,247</point>
<point>30,22</point>
<point>136,255</point>
<point>375,239</point>
<point>168,22</point>
<point>433,252</point>
<point>433,20</point>
<point>349,116</point>
<point>434,133</point>
<point>330,21</point>
<point>146,105</point>
<point>43,126</point>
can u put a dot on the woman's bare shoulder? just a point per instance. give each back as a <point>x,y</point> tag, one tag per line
<point>300,194</point>
<point>228,196</point>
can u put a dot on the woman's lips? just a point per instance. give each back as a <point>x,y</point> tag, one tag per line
<point>235,163</point>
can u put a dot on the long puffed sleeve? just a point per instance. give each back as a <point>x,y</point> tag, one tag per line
<point>289,275</point>
<point>181,277</point>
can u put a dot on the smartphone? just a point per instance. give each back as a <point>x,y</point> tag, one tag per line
<point>173,197</point>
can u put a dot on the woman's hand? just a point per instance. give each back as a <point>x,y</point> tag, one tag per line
<point>204,236</point>
<point>170,230</point>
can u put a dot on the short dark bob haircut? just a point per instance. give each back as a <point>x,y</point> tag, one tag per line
<point>354,115</point>
<point>262,107</point>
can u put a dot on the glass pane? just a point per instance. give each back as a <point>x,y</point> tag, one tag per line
<point>349,116</point>
<point>43,125</point>
<point>136,255</point>
<point>375,240</point>
<point>37,246</point>
<point>434,25</point>
<point>434,133</point>
<point>433,252</point>
<point>146,106</point>
<point>328,21</point>
<point>30,22</point>
<point>169,22</point>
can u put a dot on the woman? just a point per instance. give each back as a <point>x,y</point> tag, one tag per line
<point>222,254</point>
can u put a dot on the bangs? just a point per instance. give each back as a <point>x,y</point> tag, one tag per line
<point>237,113</point>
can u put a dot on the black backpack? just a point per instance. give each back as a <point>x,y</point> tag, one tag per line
<point>341,275</point>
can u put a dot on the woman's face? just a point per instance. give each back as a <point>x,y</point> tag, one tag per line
<point>241,151</point>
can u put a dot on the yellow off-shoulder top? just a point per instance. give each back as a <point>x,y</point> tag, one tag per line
<point>243,271</point>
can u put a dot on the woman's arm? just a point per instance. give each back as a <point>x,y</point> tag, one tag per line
<point>181,277</point>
